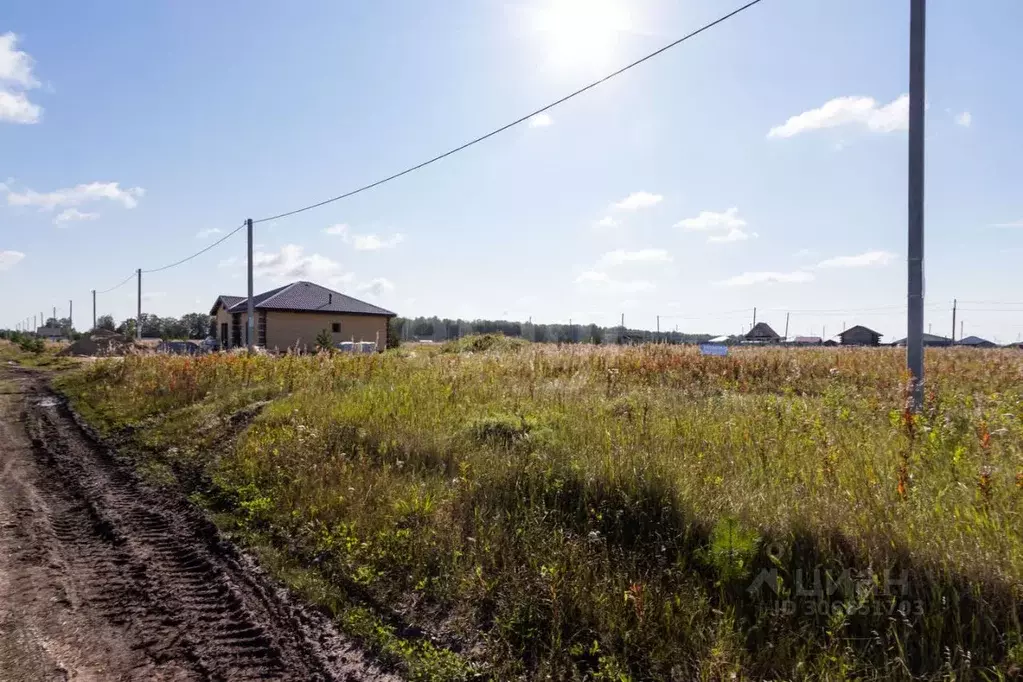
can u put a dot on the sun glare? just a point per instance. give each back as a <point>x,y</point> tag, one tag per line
<point>582,32</point>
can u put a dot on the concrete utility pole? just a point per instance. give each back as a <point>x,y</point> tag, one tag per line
<point>915,242</point>
<point>71,314</point>
<point>93,308</point>
<point>250,328</point>
<point>954,322</point>
<point>138,319</point>
<point>787,326</point>
<point>960,330</point>
<point>34,325</point>
<point>754,319</point>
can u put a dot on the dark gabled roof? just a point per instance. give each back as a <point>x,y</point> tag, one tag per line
<point>973,341</point>
<point>762,330</point>
<point>309,298</point>
<point>808,339</point>
<point>859,327</point>
<point>933,339</point>
<point>49,331</point>
<point>228,301</point>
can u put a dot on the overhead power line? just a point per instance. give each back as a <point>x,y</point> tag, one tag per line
<point>117,286</point>
<point>521,119</point>
<point>197,253</point>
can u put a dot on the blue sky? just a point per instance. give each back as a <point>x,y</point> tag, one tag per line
<point>759,164</point>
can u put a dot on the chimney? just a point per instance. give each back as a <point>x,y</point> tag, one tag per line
<point>330,299</point>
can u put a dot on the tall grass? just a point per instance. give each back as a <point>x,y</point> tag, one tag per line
<point>627,513</point>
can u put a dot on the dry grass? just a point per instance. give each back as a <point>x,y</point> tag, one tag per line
<point>602,513</point>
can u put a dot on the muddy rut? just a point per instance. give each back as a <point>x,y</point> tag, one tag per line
<point>105,578</point>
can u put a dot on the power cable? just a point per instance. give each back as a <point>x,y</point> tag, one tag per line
<point>197,253</point>
<point>117,286</point>
<point>516,122</point>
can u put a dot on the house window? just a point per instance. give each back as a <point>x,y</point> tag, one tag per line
<point>261,329</point>
<point>236,329</point>
<point>336,327</point>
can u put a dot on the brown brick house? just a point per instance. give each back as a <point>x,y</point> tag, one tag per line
<point>295,314</point>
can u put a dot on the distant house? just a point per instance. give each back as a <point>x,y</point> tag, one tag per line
<point>50,333</point>
<point>860,336</point>
<point>807,341</point>
<point>930,340</point>
<point>762,333</point>
<point>296,314</point>
<point>976,342</point>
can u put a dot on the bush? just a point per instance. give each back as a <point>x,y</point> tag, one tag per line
<point>481,343</point>
<point>32,345</point>
<point>324,341</point>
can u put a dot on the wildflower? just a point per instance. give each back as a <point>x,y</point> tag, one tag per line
<point>984,482</point>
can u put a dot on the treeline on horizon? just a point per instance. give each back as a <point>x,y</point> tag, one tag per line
<point>437,329</point>
<point>200,325</point>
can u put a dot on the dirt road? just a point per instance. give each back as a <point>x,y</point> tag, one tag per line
<point>104,578</point>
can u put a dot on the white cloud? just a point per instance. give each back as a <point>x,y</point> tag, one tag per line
<point>964,119</point>
<point>229,262</point>
<point>16,77</point>
<point>153,295</point>
<point>363,242</point>
<point>207,233</point>
<point>291,263</point>
<point>804,253</point>
<point>709,220</point>
<point>595,280</point>
<point>71,214</point>
<point>15,108</point>
<point>376,286</point>
<point>371,242</point>
<point>1015,223</point>
<point>849,111</point>
<point>606,221</point>
<point>620,257</point>
<point>727,224</point>
<point>638,200</point>
<point>8,259</point>
<point>540,121</point>
<point>76,196</point>
<point>863,260</point>
<point>749,278</point>
<point>733,235</point>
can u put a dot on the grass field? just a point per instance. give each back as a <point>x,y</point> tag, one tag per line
<point>506,511</point>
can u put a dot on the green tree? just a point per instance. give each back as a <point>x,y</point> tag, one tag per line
<point>127,328</point>
<point>324,341</point>
<point>394,333</point>
<point>196,325</point>
<point>105,322</point>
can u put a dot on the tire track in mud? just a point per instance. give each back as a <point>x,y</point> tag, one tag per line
<point>188,605</point>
